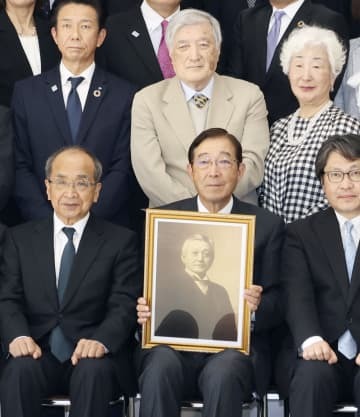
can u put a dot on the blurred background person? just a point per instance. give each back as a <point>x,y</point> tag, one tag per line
<point>26,45</point>
<point>348,96</point>
<point>312,58</point>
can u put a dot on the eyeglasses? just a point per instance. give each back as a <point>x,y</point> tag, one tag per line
<point>80,185</point>
<point>222,163</point>
<point>338,176</point>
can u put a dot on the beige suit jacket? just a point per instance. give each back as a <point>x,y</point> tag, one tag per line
<point>162,131</point>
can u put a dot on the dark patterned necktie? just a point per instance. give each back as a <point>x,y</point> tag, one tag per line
<point>61,347</point>
<point>200,100</point>
<point>73,107</point>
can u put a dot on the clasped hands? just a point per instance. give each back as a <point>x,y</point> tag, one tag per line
<point>85,348</point>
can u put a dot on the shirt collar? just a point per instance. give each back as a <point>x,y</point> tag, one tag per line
<point>291,9</point>
<point>152,18</point>
<point>355,221</point>
<point>87,74</point>
<point>189,92</point>
<point>79,226</point>
<point>195,276</point>
<point>225,210</point>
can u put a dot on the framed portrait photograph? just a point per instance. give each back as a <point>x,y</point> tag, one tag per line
<point>197,266</point>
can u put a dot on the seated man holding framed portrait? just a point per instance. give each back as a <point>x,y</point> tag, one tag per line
<point>226,379</point>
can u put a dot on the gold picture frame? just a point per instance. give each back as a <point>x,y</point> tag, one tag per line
<point>194,305</point>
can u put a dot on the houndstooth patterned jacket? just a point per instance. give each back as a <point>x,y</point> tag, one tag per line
<point>290,187</point>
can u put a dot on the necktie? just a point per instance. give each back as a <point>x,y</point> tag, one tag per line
<point>273,37</point>
<point>73,107</point>
<point>251,3</point>
<point>60,346</point>
<point>200,100</point>
<point>346,343</point>
<point>163,54</point>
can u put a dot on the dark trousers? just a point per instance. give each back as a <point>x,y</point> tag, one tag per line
<point>316,386</point>
<point>222,380</point>
<point>24,382</point>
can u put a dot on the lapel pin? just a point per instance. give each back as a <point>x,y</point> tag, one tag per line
<point>97,92</point>
<point>54,88</point>
<point>135,34</point>
<point>300,24</point>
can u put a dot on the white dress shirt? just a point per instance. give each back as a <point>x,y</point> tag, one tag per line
<point>60,239</point>
<point>82,89</point>
<point>31,48</point>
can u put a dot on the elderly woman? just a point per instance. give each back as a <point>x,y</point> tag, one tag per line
<point>312,58</point>
<point>26,46</point>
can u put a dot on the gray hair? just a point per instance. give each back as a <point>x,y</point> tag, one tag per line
<point>198,237</point>
<point>191,17</point>
<point>52,157</point>
<point>309,36</point>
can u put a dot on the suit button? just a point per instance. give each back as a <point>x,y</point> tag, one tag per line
<point>349,320</point>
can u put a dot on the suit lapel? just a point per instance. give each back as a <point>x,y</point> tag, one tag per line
<point>175,110</point>
<point>16,51</point>
<point>138,36</point>
<point>43,243</point>
<point>326,228</point>
<point>262,24</point>
<point>54,96</point>
<point>89,247</point>
<point>221,107</point>
<point>96,94</point>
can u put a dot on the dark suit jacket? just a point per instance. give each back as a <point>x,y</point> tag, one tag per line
<point>248,58</point>
<point>182,295</point>
<point>127,50</point>
<point>41,127</point>
<point>127,54</point>
<point>7,167</point>
<point>320,299</point>
<point>269,231</point>
<point>99,301</point>
<point>14,65</point>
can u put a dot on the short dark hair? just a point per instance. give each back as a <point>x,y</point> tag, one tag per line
<point>95,4</point>
<point>348,146</point>
<point>213,133</point>
<point>53,156</point>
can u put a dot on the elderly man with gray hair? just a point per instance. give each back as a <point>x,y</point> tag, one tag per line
<point>166,116</point>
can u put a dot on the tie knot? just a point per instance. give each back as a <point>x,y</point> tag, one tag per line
<point>278,14</point>
<point>200,100</point>
<point>69,232</point>
<point>164,25</point>
<point>75,81</point>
